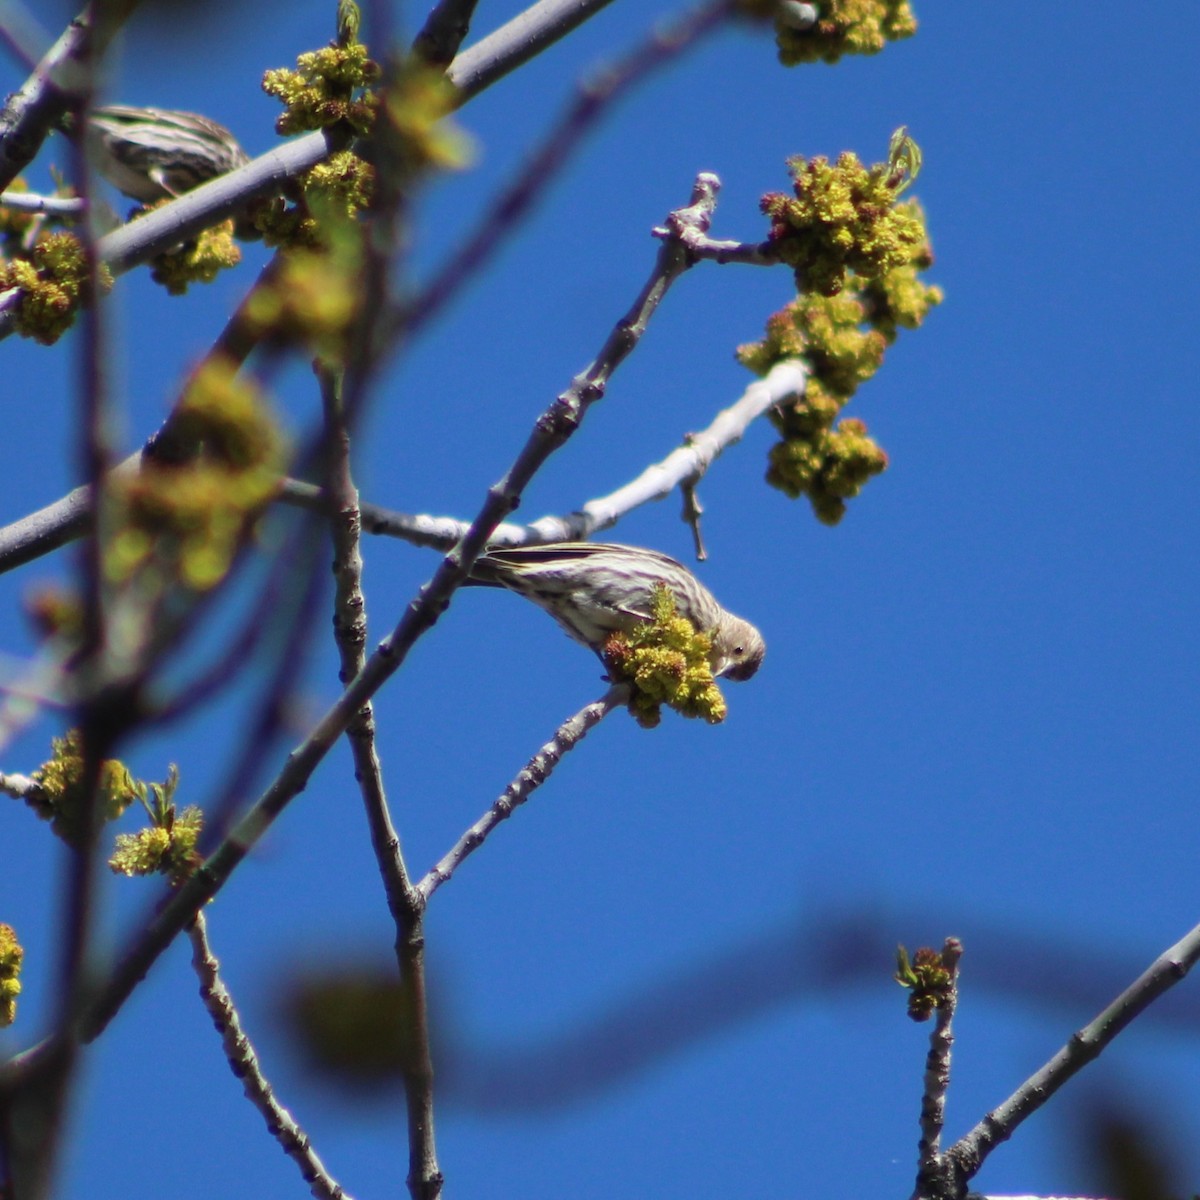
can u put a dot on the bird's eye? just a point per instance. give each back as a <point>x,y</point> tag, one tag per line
<point>739,649</point>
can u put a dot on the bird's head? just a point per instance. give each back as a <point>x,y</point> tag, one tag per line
<point>738,649</point>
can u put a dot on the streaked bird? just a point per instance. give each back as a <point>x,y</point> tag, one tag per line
<point>152,153</point>
<point>593,589</point>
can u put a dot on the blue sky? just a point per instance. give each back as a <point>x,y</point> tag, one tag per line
<point>977,713</point>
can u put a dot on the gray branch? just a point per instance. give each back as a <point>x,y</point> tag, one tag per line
<point>535,772</point>
<point>243,1061</point>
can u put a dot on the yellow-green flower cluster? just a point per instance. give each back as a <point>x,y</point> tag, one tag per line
<point>312,301</point>
<point>11,955</point>
<point>666,661</point>
<point>54,612</point>
<point>54,281</point>
<point>327,87</point>
<point>900,299</point>
<point>843,27</point>
<point>167,846</point>
<point>417,136</point>
<point>855,297</point>
<point>829,468</point>
<point>198,260</point>
<point>842,218</point>
<point>184,522</point>
<point>828,465</point>
<point>927,977</point>
<point>831,333</point>
<point>60,795</point>
<point>332,191</point>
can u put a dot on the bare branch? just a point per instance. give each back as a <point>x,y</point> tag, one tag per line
<point>699,244</point>
<point>404,901</point>
<point>689,461</point>
<point>968,1154</point>
<point>20,787</point>
<point>693,510</point>
<point>141,239</point>
<point>57,524</point>
<point>243,1061</point>
<point>55,85</point>
<point>526,35</point>
<point>535,772</point>
<point>445,29</point>
<point>937,1070</point>
<point>594,98</point>
<point>55,206</point>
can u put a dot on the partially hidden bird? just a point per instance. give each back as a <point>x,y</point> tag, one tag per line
<point>594,589</point>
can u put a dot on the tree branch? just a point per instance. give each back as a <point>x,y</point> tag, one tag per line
<point>515,43</point>
<point>404,902</point>
<point>445,29</point>
<point>937,1072</point>
<point>243,1061</point>
<point>145,236</point>
<point>968,1154</point>
<point>594,98</point>
<point>55,85</point>
<point>535,772</point>
<point>690,461</point>
<point>55,206</point>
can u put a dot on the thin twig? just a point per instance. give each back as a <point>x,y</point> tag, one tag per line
<point>699,244</point>
<point>937,1068</point>
<point>20,787</point>
<point>594,98</point>
<point>350,634</point>
<point>535,772</point>
<point>243,1061</point>
<point>104,712</point>
<point>515,43</point>
<point>445,29</point>
<point>57,524</point>
<point>55,85</point>
<point>145,236</point>
<point>55,206</point>
<point>404,902</point>
<point>693,510</point>
<point>689,461</point>
<point>968,1154</point>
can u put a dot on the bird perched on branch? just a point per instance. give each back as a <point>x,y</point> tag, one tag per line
<point>595,589</point>
<point>152,153</point>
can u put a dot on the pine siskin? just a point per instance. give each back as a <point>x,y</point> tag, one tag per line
<point>152,153</point>
<point>593,589</point>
